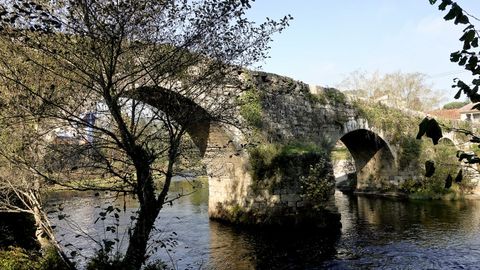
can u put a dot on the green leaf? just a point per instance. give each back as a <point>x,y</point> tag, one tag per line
<point>459,176</point>
<point>474,97</point>
<point>434,131</point>
<point>475,139</point>
<point>476,107</point>
<point>448,181</point>
<point>451,14</point>
<point>431,129</point>
<point>475,42</point>
<point>455,56</point>
<point>462,155</point>
<point>444,4</point>
<point>422,128</point>
<point>457,96</point>
<point>429,168</point>
<point>462,19</point>
<point>468,36</point>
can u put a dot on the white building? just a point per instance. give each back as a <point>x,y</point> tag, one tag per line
<point>468,113</point>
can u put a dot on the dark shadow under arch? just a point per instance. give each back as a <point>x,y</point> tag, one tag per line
<point>195,119</point>
<point>373,158</point>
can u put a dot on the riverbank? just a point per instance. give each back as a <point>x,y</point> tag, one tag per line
<point>415,196</point>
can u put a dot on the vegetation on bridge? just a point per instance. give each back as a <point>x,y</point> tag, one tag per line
<point>401,127</point>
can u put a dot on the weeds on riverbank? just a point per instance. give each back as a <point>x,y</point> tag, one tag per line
<point>16,258</point>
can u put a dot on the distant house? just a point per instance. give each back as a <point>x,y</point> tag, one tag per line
<point>467,113</point>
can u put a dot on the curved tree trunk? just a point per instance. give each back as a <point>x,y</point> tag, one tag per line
<point>44,232</point>
<point>137,248</point>
<point>149,209</point>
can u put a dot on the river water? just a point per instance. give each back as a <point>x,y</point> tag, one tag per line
<point>377,233</point>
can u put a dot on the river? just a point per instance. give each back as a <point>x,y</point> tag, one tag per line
<point>377,233</point>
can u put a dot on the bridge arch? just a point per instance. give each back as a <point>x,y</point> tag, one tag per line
<point>373,158</point>
<point>447,141</point>
<point>195,119</point>
<point>219,146</point>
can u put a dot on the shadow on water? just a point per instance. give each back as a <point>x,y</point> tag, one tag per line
<point>268,248</point>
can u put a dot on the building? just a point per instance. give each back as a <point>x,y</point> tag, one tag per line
<point>468,113</point>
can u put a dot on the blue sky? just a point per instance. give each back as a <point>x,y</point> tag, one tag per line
<point>327,40</point>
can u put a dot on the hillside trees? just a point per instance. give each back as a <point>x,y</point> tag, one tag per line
<point>455,105</point>
<point>406,90</point>
<point>80,68</point>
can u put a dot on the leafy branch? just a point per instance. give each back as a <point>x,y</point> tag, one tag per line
<point>468,58</point>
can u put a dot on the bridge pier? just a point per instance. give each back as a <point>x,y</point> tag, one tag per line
<point>236,197</point>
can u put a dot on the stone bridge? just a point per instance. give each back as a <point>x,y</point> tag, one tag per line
<point>276,168</point>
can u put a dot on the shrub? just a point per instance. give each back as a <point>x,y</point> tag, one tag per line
<point>16,258</point>
<point>251,107</point>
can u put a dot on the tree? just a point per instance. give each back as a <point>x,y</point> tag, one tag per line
<point>467,58</point>
<point>72,58</point>
<point>455,105</point>
<point>19,188</point>
<point>408,90</point>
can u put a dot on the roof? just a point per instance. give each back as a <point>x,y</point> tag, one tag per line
<point>468,108</point>
<point>446,114</point>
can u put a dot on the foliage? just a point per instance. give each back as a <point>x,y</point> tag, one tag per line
<point>340,153</point>
<point>455,105</point>
<point>409,152</point>
<point>251,107</point>
<point>402,90</point>
<point>467,58</point>
<point>267,159</point>
<point>442,169</point>
<point>19,259</point>
<point>327,96</point>
<point>431,129</point>
<point>142,68</point>
<point>384,117</point>
<point>297,165</point>
<point>414,152</point>
<point>102,261</point>
<point>316,185</point>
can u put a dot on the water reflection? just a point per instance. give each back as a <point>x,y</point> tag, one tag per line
<point>381,233</point>
<point>377,233</point>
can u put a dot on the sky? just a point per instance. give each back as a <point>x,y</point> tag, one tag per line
<point>327,40</point>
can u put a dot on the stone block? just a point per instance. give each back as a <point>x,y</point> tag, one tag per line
<point>290,197</point>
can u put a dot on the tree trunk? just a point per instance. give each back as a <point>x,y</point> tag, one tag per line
<point>46,237</point>
<point>42,237</point>
<point>150,206</point>
<point>149,209</point>
<point>137,247</point>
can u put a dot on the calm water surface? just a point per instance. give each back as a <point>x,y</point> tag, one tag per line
<point>376,234</point>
